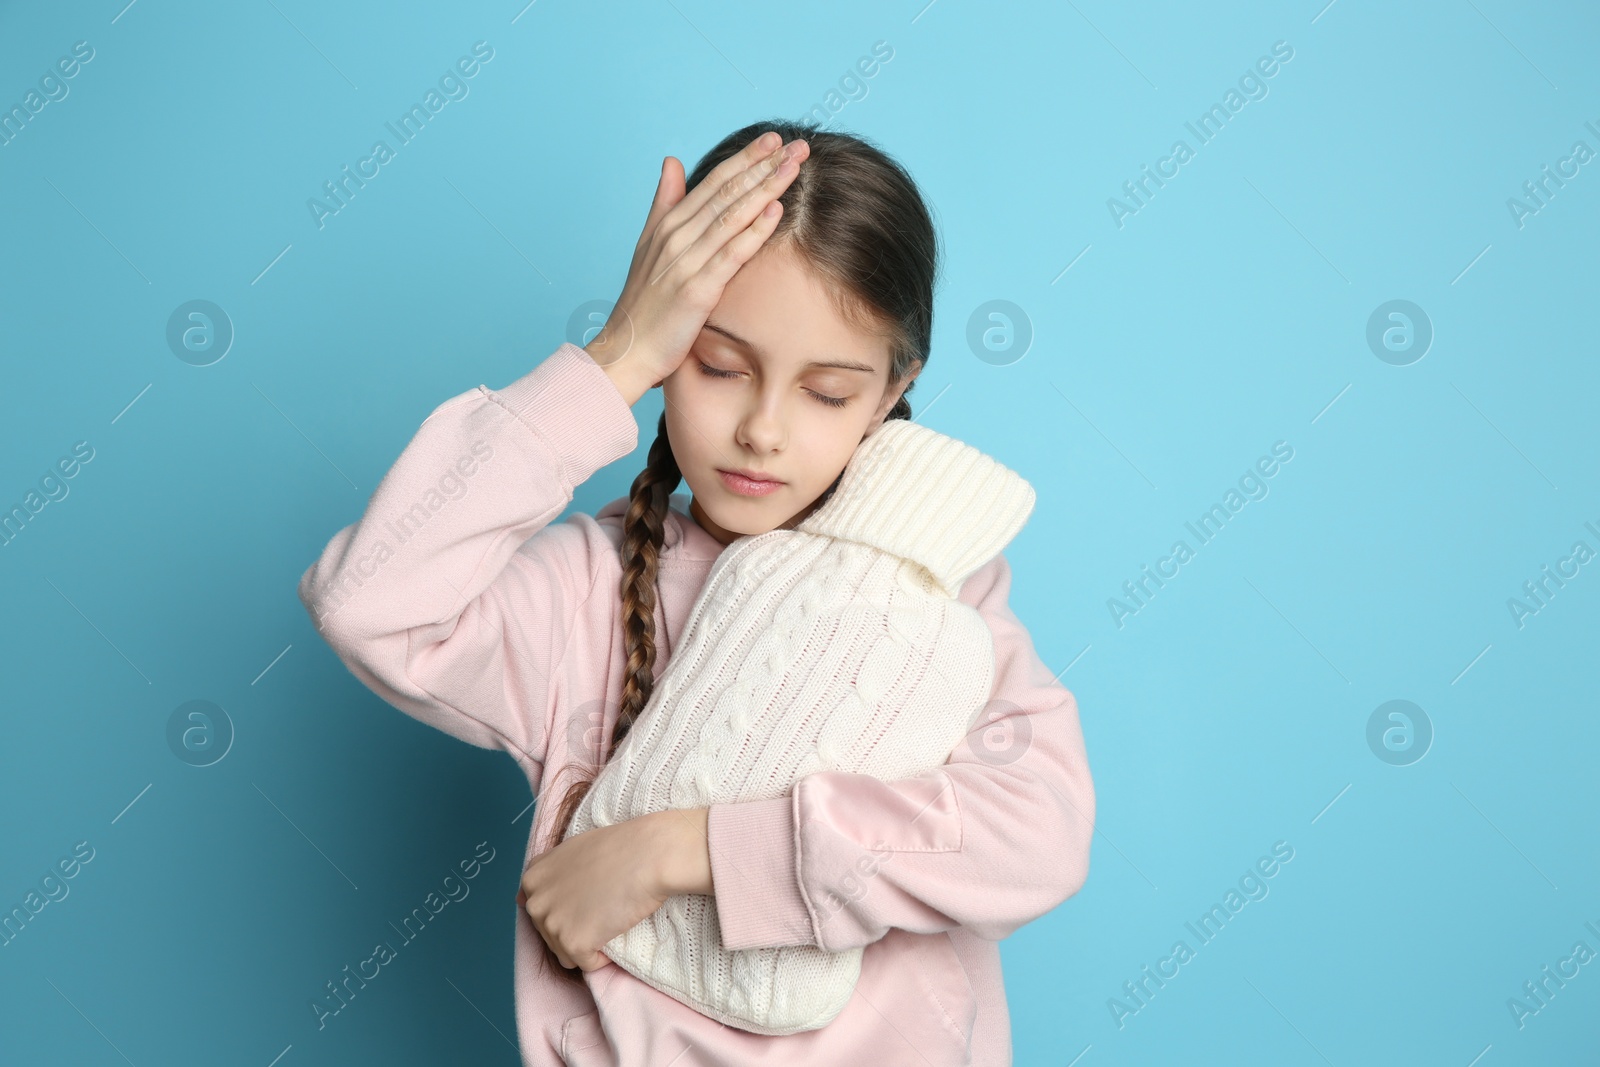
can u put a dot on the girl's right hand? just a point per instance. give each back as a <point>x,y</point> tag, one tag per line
<point>691,246</point>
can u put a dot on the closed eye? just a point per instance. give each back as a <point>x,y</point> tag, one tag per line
<point>831,401</point>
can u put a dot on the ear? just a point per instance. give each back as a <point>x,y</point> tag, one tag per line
<point>891,397</point>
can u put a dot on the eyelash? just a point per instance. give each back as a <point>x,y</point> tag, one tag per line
<point>831,401</point>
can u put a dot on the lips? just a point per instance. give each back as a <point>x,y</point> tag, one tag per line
<point>746,483</point>
<point>749,475</point>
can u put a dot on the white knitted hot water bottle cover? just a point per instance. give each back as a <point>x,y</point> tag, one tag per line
<point>836,645</point>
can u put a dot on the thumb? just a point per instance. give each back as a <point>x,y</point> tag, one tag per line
<point>669,190</point>
<point>672,180</point>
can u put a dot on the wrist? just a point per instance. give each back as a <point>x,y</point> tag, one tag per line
<point>630,389</point>
<point>683,862</point>
<point>624,369</point>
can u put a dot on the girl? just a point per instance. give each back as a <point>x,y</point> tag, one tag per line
<point>784,310</point>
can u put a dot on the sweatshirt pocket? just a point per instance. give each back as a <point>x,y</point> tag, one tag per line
<point>943,978</point>
<point>584,1043</point>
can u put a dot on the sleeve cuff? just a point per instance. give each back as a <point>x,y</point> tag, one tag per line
<point>754,875</point>
<point>570,402</point>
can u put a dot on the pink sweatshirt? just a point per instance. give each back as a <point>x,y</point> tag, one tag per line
<point>458,601</point>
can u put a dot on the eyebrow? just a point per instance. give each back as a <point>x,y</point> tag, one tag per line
<point>838,364</point>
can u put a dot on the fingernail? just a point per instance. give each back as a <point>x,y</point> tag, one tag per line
<point>770,139</point>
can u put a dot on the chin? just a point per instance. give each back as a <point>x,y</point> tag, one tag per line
<point>724,510</point>
<point>743,515</point>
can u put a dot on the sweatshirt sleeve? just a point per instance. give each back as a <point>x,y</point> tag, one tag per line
<point>995,838</point>
<point>452,595</point>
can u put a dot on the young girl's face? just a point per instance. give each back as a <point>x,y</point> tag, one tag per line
<point>777,384</point>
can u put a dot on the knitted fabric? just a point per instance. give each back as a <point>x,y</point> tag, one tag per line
<point>837,645</point>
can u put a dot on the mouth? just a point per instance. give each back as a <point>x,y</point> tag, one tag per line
<point>748,483</point>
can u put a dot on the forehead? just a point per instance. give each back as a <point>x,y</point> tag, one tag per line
<point>778,311</point>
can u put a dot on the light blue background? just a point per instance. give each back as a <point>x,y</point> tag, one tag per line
<point>1228,314</point>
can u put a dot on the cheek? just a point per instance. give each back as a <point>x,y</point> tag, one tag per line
<point>694,425</point>
<point>688,389</point>
<point>827,451</point>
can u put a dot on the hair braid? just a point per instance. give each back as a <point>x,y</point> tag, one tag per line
<point>643,532</point>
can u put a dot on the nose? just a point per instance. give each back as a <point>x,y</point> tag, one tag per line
<point>763,428</point>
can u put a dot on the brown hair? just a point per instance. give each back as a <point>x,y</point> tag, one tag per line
<point>855,217</point>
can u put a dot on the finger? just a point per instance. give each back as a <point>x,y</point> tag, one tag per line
<point>716,218</point>
<point>741,217</point>
<point>669,191</point>
<point>715,229</point>
<point>750,157</point>
<point>761,182</point>
<point>727,260</point>
<point>555,947</point>
<point>749,205</point>
<point>752,154</point>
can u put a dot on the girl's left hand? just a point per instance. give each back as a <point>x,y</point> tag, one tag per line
<point>594,886</point>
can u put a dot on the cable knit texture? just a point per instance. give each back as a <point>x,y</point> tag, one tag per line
<point>838,645</point>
